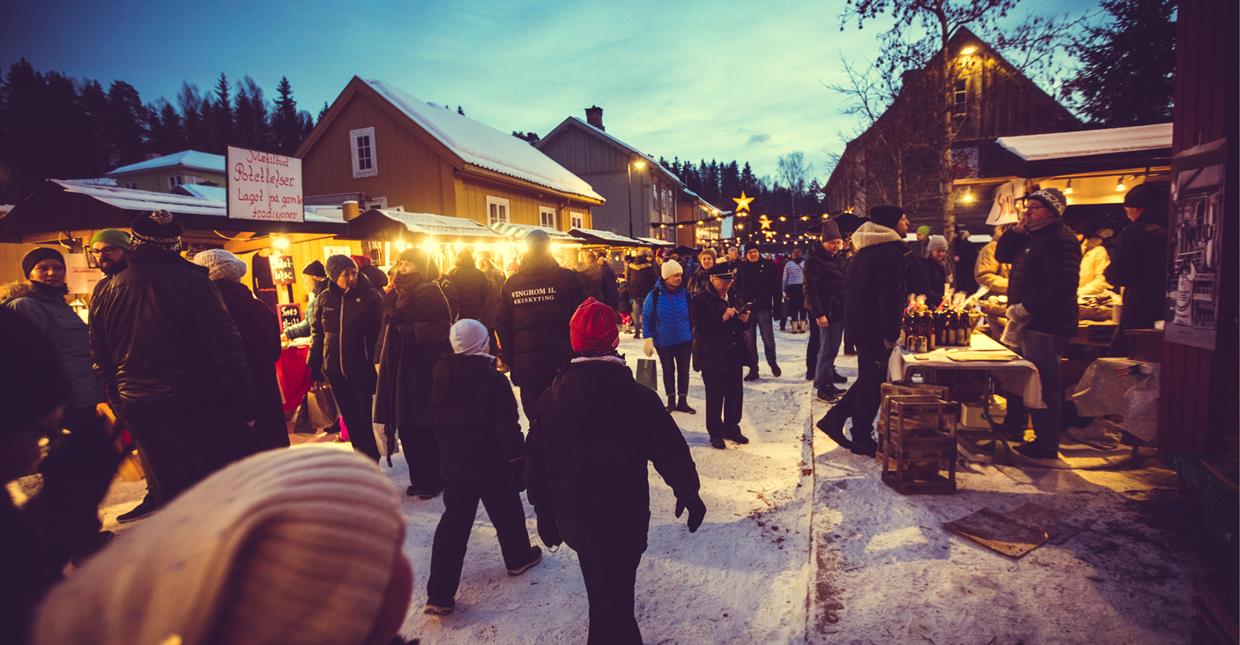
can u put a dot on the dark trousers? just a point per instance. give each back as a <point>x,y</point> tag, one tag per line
<point>422,455</point>
<point>811,351</point>
<point>725,398</point>
<point>675,363</point>
<point>828,349</point>
<point>1044,351</point>
<point>610,582</point>
<point>861,400</point>
<point>184,445</point>
<point>532,388</point>
<point>761,324</point>
<point>460,506</point>
<point>794,309</point>
<point>355,398</point>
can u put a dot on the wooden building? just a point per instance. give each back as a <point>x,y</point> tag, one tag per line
<point>896,160</point>
<point>641,194</point>
<point>164,174</point>
<point>398,152</point>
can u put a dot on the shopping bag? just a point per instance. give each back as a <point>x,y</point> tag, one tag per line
<point>321,406</point>
<point>385,436</point>
<point>648,373</point>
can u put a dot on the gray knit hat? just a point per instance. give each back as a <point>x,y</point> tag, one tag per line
<point>221,264</point>
<point>338,263</point>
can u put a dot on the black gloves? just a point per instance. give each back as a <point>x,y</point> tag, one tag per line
<point>697,511</point>
<point>516,470</point>
<point>548,532</point>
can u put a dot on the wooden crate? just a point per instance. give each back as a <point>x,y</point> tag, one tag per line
<point>917,444</point>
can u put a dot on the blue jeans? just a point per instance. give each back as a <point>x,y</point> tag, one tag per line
<point>761,324</point>
<point>828,348</point>
<point>1044,351</point>
<point>637,316</point>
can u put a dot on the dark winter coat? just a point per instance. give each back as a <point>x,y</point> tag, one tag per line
<point>760,283</point>
<point>927,276</point>
<point>475,416</point>
<point>587,468</point>
<point>610,289</point>
<point>876,292</point>
<point>698,282</point>
<point>302,329</point>
<point>641,278</point>
<point>591,281</point>
<point>717,344</point>
<point>416,320</point>
<point>965,258</point>
<point>345,331</point>
<point>1046,270</point>
<point>260,336</point>
<point>532,317</point>
<point>160,336</point>
<point>665,316</point>
<point>46,308</point>
<point>826,284</point>
<point>475,295</point>
<point>1139,265</point>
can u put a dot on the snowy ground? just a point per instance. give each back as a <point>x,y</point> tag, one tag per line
<point>878,569</point>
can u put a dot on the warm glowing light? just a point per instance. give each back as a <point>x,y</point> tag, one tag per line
<point>968,50</point>
<point>968,197</point>
<point>783,218</point>
<point>742,202</point>
<point>401,245</point>
<point>281,242</point>
<point>740,227</point>
<point>805,218</point>
<point>1119,185</point>
<point>1068,189</point>
<point>639,165</point>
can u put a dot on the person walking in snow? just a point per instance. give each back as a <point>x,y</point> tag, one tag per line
<point>826,283</point>
<point>794,291</point>
<point>719,352</point>
<point>640,276</point>
<point>481,458</point>
<point>757,283</point>
<point>587,470</point>
<point>669,331</point>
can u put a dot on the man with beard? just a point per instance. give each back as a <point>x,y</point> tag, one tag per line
<point>110,247</point>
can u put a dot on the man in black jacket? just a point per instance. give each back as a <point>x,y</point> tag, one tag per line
<point>826,283</point>
<point>344,335</point>
<point>874,306</point>
<point>758,281</point>
<point>1139,264</point>
<point>166,348</point>
<point>474,292</point>
<point>532,317</point>
<point>587,470</point>
<point>640,276</point>
<point>1046,266</point>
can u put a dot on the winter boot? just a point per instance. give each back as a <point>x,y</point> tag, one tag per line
<point>535,558</point>
<point>834,428</point>
<point>737,437</point>
<point>775,369</point>
<point>440,608</point>
<point>717,442</point>
<point>752,375</point>
<point>839,378</point>
<point>683,406</point>
<point>671,403</point>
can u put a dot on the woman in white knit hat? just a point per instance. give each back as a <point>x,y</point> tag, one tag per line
<point>669,331</point>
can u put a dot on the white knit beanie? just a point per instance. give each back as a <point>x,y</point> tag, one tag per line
<point>469,337</point>
<point>671,268</point>
<point>221,264</point>
<point>936,242</point>
<point>288,546</point>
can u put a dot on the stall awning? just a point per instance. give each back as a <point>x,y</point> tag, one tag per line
<point>604,238</point>
<point>650,241</point>
<point>519,231</point>
<point>377,223</point>
<point>1088,143</point>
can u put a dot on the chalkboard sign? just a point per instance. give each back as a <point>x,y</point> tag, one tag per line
<point>290,314</point>
<point>282,271</point>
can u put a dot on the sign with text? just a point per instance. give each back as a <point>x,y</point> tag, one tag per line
<point>290,314</point>
<point>282,271</point>
<point>264,186</point>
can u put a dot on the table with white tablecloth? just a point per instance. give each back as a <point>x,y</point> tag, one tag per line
<point>1005,368</point>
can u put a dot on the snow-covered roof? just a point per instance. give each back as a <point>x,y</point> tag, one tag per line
<point>438,225</point>
<point>194,159</point>
<point>519,231</point>
<point>654,163</point>
<point>484,146</point>
<point>606,236</point>
<point>1086,143</point>
<point>145,200</point>
<point>654,242</point>
<point>218,193</point>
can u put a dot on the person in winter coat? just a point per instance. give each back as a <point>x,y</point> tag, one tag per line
<point>826,282</point>
<point>641,276</point>
<point>794,291</point>
<point>928,276</point>
<point>720,349</point>
<point>61,521</point>
<point>586,470</point>
<point>669,331</point>
<point>41,299</point>
<point>367,269</point>
<point>699,279</point>
<point>964,260</point>
<point>417,315</point>
<point>474,291</point>
<point>344,333</point>
<point>757,284</point>
<point>989,271</point>
<point>535,306</point>
<point>481,458</point>
<point>873,309</point>
<point>1094,257</point>
<point>1140,262</point>
<point>170,359</point>
<point>260,336</point>
<point>1046,265</point>
<point>317,283</point>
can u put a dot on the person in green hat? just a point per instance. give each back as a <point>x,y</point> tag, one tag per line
<point>919,249</point>
<point>110,247</point>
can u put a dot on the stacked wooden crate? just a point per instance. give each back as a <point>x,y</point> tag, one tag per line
<point>917,442</point>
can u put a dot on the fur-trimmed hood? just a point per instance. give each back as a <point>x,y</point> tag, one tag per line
<point>14,290</point>
<point>870,234</point>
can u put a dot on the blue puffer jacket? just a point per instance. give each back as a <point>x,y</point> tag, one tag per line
<point>668,324</point>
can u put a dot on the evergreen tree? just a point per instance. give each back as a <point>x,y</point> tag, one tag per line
<point>250,127</point>
<point>221,117</point>
<point>167,131</point>
<point>96,144</point>
<point>195,122</point>
<point>127,121</point>
<point>322,111</point>
<point>285,121</point>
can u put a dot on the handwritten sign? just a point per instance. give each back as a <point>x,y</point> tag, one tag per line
<point>290,314</point>
<point>282,271</point>
<point>264,186</point>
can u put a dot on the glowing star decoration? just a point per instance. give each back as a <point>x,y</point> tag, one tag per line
<point>742,203</point>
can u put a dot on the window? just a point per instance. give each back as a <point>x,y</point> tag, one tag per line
<point>576,219</point>
<point>174,181</point>
<point>365,163</point>
<point>546,217</point>
<point>131,184</point>
<point>960,98</point>
<point>497,210</point>
<point>375,202</point>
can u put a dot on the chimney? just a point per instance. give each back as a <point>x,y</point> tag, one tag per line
<point>594,116</point>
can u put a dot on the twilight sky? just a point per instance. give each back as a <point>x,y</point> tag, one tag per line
<point>687,78</point>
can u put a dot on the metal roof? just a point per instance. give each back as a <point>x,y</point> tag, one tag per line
<point>605,237</point>
<point>194,159</point>
<point>1088,143</point>
<point>519,231</point>
<point>438,225</point>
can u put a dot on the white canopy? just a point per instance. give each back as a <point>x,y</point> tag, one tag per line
<point>1086,143</point>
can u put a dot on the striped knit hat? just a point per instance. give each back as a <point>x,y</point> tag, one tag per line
<point>288,546</point>
<point>158,229</point>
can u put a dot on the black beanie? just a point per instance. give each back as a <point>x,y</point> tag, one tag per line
<point>830,231</point>
<point>315,269</point>
<point>38,255</point>
<point>750,245</point>
<point>886,215</point>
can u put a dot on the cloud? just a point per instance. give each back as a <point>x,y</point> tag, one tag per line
<point>758,139</point>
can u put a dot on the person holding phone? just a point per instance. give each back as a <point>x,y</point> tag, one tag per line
<point>720,321</point>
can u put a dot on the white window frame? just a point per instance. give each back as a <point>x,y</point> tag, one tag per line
<point>355,152</point>
<point>576,219</point>
<point>497,210</point>
<point>546,217</point>
<point>174,181</point>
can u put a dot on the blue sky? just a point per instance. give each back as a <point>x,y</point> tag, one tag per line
<point>687,78</point>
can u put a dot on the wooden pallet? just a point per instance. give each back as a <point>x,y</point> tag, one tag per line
<point>917,443</point>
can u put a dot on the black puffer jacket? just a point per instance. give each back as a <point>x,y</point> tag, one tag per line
<point>587,468</point>
<point>345,331</point>
<point>260,335</point>
<point>1046,270</point>
<point>475,295</point>
<point>1139,265</point>
<point>717,345</point>
<point>641,278</point>
<point>532,317</point>
<point>876,294</point>
<point>760,283</point>
<point>826,284</point>
<point>416,320</point>
<point>927,276</point>
<point>475,419</point>
<point>160,336</point>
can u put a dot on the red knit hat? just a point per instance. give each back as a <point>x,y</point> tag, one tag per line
<point>593,328</point>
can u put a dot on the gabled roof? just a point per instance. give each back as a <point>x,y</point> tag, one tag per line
<point>600,134</point>
<point>468,142</point>
<point>192,159</point>
<point>1087,143</point>
<point>218,193</point>
<point>520,231</point>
